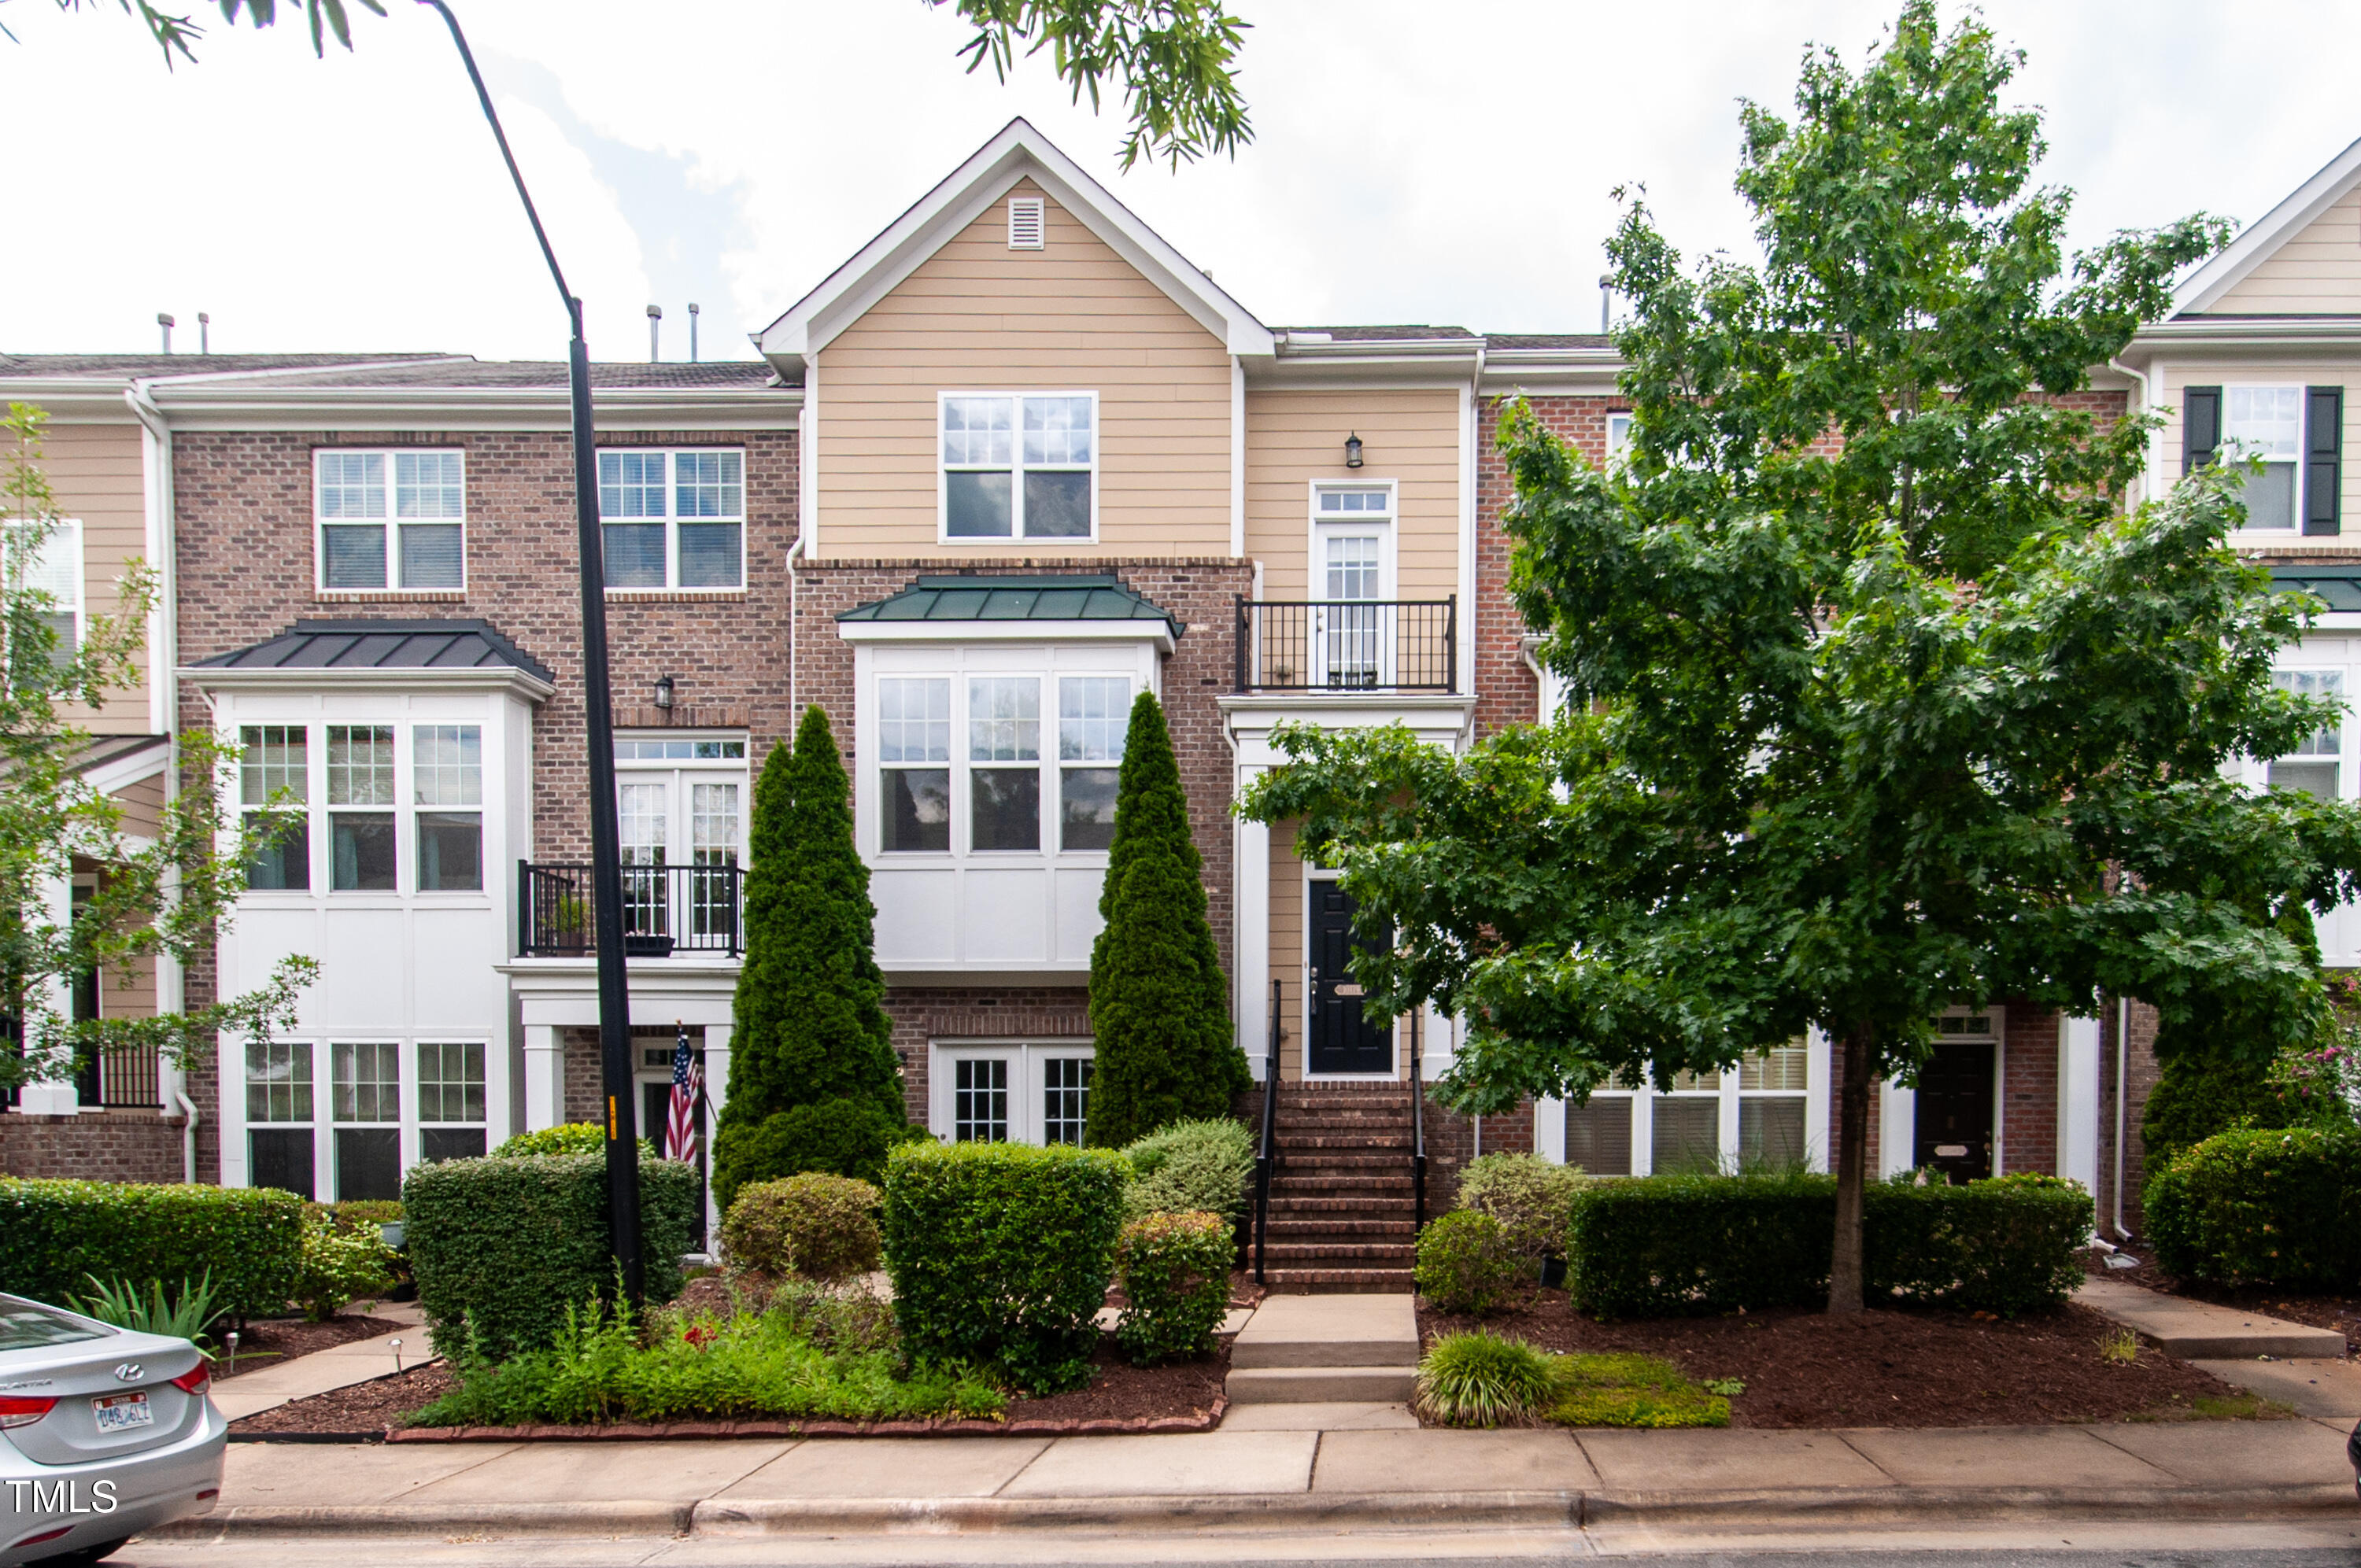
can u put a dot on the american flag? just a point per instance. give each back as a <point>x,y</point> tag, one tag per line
<point>687,1089</point>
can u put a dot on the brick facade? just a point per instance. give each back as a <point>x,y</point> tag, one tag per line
<point>97,1145</point>
<point>922,1014</point>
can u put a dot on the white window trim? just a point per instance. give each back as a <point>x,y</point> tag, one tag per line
<point>62,529</point>
<point>2228,452</point>
<point>1016,535</point>
<point>1549,1115</point>
<point>318,839</point>
<point>1320,528</point>
<point>1613,452</point>
<point>671,521</point>
<point>869,816</point>
<point>683,771</point>
<point>392,589</point>
<point>1025,1113</point>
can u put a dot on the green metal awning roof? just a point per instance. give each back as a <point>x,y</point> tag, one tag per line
<point>2338,585</point>
<point>976,596</point>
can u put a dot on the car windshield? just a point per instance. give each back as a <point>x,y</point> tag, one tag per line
<point>28,1325</point>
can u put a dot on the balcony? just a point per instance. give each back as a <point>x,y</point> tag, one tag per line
<point>1347,645</point>
<point>666,910</point>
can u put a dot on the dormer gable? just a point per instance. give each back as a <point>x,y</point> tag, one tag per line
<point>2301,258</point>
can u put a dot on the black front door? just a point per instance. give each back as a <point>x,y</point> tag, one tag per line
<point>1955,1110</point>
<point>1341,1041</point>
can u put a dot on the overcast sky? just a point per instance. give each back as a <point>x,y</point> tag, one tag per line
<point>1412,162</point>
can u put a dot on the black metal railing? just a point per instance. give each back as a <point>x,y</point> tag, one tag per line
<point>1347,645</point>
<point>1267,1153</point>
<point>666,910</point>
<point>118,1078</point>
<point>1417,1124</point>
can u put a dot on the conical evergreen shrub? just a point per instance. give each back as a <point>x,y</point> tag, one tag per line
<point>1159,1002</point>
<point>812,1079</point>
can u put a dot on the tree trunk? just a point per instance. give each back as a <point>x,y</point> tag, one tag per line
<point>1846,1273</point>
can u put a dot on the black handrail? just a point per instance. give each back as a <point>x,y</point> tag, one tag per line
<point>667,909</point>
<point>1417,1124</point>
<point>1346,645</point>
<point>1267,1156</point>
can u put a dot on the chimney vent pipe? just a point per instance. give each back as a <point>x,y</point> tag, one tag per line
<point>692,332</point>
<point>205,333</point>
<point>167,324</point>
<point>655,324</point>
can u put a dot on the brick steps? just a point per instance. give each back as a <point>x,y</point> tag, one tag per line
<point>1341,1202</point>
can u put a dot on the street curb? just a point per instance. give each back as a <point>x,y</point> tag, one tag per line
<point>659,1431</point>
<point>1391,1510</point>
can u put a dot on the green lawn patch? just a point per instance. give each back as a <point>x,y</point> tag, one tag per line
<point>1626,1390</point>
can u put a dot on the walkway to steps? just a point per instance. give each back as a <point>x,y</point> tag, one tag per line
<point>1342,1203</point>
<point>1314,1363</point>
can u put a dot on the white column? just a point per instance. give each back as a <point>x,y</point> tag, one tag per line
<point>2077,1101</point>
<point>1250,942</point>
<point>545,1077</point>
<point>1817,1086</point>
<point>55,1096</point>
<point>1897,1127</point>
<point>1549,1130</point>
<point>716,1091</point>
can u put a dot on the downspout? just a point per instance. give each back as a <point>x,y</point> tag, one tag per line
<point>163,696</point>
<point>2148,448</point>
<point>2122,1098</point>
<point>187,1135</point>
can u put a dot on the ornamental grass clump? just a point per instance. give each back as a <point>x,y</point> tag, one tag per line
<point>1175,1272</point>
<point>814,1225</point>
<point>1465,1263</point>
<point>1483,1380</point>
<point>1531,1197</point>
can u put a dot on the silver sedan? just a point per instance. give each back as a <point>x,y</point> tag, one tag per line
<point>104,1432</point>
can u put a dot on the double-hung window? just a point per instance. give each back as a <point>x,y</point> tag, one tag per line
<point>2313,767</point>
<point>366,1099</point>
<point>53,572</point>
<point>1004,785</point>
<point>1004,727</point>
<point>674,518</point>
<point>279,1113</point>
<point>274,784</point>
<point>914,753</point>
<point>1019,465</point>
<point>2297,435</point>
<point>1093,714</point>
<point>450,1100</point>
<point>447,782</point>
<point>361,837</point>
<point>390,520</point>
<point>1771,1089</point>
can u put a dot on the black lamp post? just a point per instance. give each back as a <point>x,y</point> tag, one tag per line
<point>598,722</point>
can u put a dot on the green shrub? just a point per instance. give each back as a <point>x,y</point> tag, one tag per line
<point>502,1248</point>
<point>2262,1207</point>
<point>1190,1167</point>
<point>1464,1261</point>
<point>816,1225</point>
<point>1533,1199</point>
<point>1483,1380</point>
<point>340,1266</point>
<point>2200,1092</point>
<point>359,1214</point>
<point>846,1137</point>
<point>1175,1270</point>
<point>1670,1245</point>
<point>1001,1254</point>
<point>54,1235</point>
<point>1625,1390</point>
<point>755,1364</point>
<point>565,1138</point>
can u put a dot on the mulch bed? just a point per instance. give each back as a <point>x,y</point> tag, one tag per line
<point>275,1342</point>
<point>2318,1311</point>
<point>361,1413</point>
<point>1883,1368</point>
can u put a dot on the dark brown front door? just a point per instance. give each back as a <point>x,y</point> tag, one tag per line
<point>1955,1110</point>
<point>1341,1041</point>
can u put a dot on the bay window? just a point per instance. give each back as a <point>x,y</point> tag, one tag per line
<point>362,784</point>
<point>914,752</point>
<point>674,518</point>
<point>365,1101</point>
<point>1019,465</point>
<point>1007,792</point>
<point>1093,713</point>
<point>279,1113</point>
<point>361,853</point>
<point>1003,726</point>
<point>274,782</point>
<point>2313,767</point>
<point>390,520</point>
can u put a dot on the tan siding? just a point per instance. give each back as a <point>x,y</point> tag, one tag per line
<point>94,470</point>
<point>1294,438</point>
<point>1073,316</point>
<point>2178,378</point>
<point>143,806</point>
<point>2315,271</point>
<point>1287,939</point>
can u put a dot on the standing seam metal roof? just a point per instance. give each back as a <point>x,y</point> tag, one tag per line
<point>983,597</point>
<point>415,644</point>
<point>2339,586</point>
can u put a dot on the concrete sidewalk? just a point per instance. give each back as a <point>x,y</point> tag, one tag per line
<point>339,1366</point>
<point>1336,1479</point>
<point>2202,1330</point>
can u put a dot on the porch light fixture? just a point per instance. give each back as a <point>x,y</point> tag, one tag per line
<point>1352,452</point>
<point>664,693</point>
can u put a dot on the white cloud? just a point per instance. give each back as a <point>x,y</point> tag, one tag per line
<point>1412,163</point>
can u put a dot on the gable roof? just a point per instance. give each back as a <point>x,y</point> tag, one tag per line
<point>1018,152</point>
<point>2229,267</point>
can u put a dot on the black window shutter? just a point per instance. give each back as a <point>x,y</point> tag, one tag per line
<point>2323,457</point>
<point>2200,426</point>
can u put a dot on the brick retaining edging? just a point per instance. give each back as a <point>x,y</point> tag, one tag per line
<point>641,1431</point>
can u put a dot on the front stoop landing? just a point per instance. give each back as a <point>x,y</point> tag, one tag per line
<point>1326,1349</point>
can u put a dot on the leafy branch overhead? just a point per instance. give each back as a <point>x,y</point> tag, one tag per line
<point>177,33</point>
<point>159,893</point>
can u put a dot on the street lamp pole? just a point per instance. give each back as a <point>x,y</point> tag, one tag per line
<point>598,724</point>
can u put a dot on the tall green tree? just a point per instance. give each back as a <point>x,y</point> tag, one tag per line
<point>1175,60</point>
<point>1874,725</point>
<point>1159,1004</point>
<point>165,893</point>
<point>813,1079</point>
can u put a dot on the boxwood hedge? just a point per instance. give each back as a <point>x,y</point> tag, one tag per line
<point>501,1247</point>
<point>52,1233</point>
<point>2257,1206</point>
<point>1001,1252</point>
<point>1675,1246</point>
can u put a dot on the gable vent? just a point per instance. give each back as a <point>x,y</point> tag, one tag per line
<point>1025,223</point>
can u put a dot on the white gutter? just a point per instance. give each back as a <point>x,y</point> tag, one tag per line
<point>164,663</point>
<point>2150,459</point>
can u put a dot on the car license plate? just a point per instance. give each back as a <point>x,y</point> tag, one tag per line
<point>120,1412</point>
